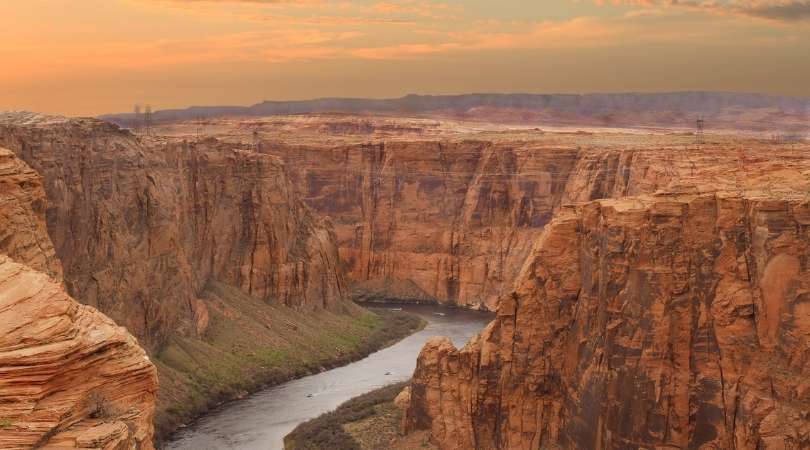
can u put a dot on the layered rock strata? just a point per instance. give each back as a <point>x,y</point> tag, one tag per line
<point>453,220</point>
<point>141,225</point>
<point>432,220</point>
<point>672,321</point>
<point>69,377</point>
<point>23,235</point>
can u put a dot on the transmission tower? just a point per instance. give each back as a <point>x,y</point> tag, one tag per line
<point>199,130</point>
<point>700,132</point>
<point>136,121</point>
<point>147,120</point>
<point>256,141</point>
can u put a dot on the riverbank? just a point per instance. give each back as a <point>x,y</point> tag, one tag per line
<point>261,421</point>
<point>250,345</point>
<point>368,422</point>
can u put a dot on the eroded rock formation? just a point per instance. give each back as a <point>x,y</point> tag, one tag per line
<point>69,377</point>
<point>671,321</point>
<point>141,225</point>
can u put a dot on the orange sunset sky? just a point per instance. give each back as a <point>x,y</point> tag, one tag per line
<point>88,57</point>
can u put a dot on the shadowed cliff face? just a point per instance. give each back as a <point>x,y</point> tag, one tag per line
<point>455,220</point>
<point>432,220</point>
<point>674,321</point>
<point>69,377</point>
<point>142,226</point>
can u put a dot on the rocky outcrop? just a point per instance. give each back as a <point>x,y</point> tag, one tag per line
<point>69,377</point>
<point>23,235</point>
<point>672,321</point>
<point>432,220</point>
<point>141,225</point>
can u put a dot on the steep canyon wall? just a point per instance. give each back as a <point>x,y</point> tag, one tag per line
<point>142,225</point>
<point>69,377</point>
<point>432,220</point>
<point>454,220</point>
<point>668,321</point>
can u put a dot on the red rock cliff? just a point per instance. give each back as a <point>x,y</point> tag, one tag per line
<point>672,321</point>
<point>433,220</point>
<point>455,219</point>
<point>69,377</point>
<point>142,225</point>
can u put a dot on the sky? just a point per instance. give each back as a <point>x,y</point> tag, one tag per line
<point>89,57</point>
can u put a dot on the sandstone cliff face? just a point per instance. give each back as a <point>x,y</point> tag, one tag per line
<point>24,236</point>
<point>69,377</point>
<point>142,225</point>
<point>674,321</point>
<point>433,220</point>
<point>454,220</point>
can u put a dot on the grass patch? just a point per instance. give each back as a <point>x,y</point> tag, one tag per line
<point>329,431</point>
<point>250,345</point>
<point>5,424</point>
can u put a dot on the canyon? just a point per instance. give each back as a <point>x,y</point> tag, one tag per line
<point>201,250</point>
<point>141,226</point>
<point>447,211</point>
<point>405,224</point>
<point>650,289</point>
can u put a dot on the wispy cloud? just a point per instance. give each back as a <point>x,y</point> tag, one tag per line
<point>776,10</point>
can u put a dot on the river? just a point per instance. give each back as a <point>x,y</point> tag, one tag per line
<point>262,420</point>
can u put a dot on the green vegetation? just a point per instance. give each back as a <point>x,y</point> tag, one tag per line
<point>333,429</point>
<point>250,344</point>
<point>5,424</point>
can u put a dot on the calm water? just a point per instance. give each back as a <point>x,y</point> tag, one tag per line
<point>262,420</point>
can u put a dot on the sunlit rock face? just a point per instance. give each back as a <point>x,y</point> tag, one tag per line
<point>668,321</point>
<point>24,236</point>
<point>141,225</point>
<point>69,377</point>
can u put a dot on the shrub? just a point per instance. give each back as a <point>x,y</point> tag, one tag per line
<point>99,407</point>
<point>326,431</point>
